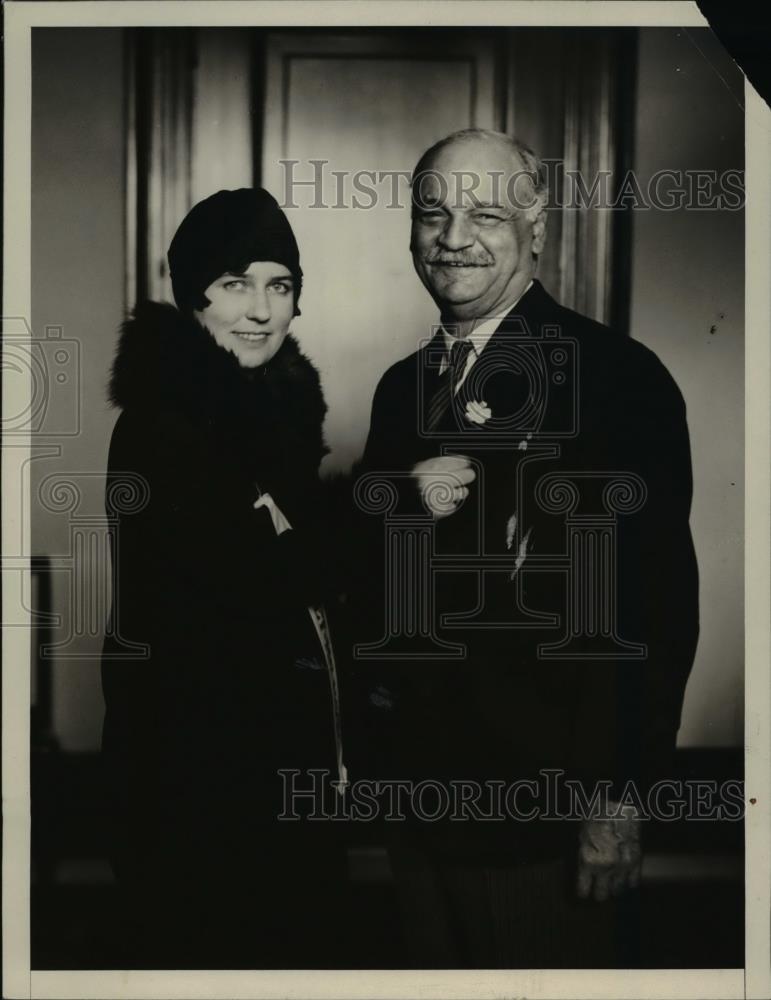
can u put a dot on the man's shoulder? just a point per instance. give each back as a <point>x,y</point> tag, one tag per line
<point>604,352</point>
<point>614,374</point>
<point>401,375</point>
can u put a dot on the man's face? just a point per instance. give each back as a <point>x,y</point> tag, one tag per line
<point>249,313</point>
<point>473,238</point>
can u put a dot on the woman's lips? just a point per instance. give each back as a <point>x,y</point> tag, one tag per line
<point>252,338</point>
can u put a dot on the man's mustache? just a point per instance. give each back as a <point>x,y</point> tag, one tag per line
<point>462,259</point>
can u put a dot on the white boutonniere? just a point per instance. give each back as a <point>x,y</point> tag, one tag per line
<point>478,413</point>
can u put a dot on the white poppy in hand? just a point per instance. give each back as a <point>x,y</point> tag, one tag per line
<point>478,413</point>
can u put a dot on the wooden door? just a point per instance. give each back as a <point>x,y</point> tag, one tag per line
<point>353,103</point>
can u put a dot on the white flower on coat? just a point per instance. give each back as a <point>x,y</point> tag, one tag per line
<point>478,413</point>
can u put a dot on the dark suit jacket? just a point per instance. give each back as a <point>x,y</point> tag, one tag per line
<point>584,472</point>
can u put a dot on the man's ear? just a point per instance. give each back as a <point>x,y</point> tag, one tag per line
<point>539,231</point>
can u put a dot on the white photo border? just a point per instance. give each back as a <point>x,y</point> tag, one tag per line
<point>754,980</point>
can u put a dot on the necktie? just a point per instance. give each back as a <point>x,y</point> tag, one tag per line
<point>442,397</point>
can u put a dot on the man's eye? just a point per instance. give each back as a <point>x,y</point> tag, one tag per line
<point>488,217</point>
<point>430,216</point>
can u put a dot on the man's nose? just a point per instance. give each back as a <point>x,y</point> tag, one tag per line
<point>259,306</point>
<point>458,233</point>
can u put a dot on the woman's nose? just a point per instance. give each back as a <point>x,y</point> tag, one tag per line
<point>259,306</point>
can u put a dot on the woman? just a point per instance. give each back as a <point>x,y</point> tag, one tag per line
<point>217,672</point>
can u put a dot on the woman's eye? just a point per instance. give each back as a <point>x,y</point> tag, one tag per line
<point>280,288</point>
<point>234,285</point>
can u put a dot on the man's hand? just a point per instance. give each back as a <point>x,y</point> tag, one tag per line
<point>443,482</point>
<point>609,855</point>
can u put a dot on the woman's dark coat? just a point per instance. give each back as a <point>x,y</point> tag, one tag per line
<point>213,676</point>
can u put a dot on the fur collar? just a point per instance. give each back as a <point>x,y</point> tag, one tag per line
<point>272,414</point>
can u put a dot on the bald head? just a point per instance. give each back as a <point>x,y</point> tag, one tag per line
<point>523,180</point>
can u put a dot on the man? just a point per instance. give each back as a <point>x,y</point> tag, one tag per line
<point>547,459</point>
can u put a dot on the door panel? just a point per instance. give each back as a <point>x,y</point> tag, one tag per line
<point>361,104</point>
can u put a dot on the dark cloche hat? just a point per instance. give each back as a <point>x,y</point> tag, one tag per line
<point>227,232</point>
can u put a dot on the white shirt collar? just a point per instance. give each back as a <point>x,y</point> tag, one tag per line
<point>482,330</point>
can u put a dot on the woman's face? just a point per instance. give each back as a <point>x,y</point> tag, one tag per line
<point>249,313</point>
